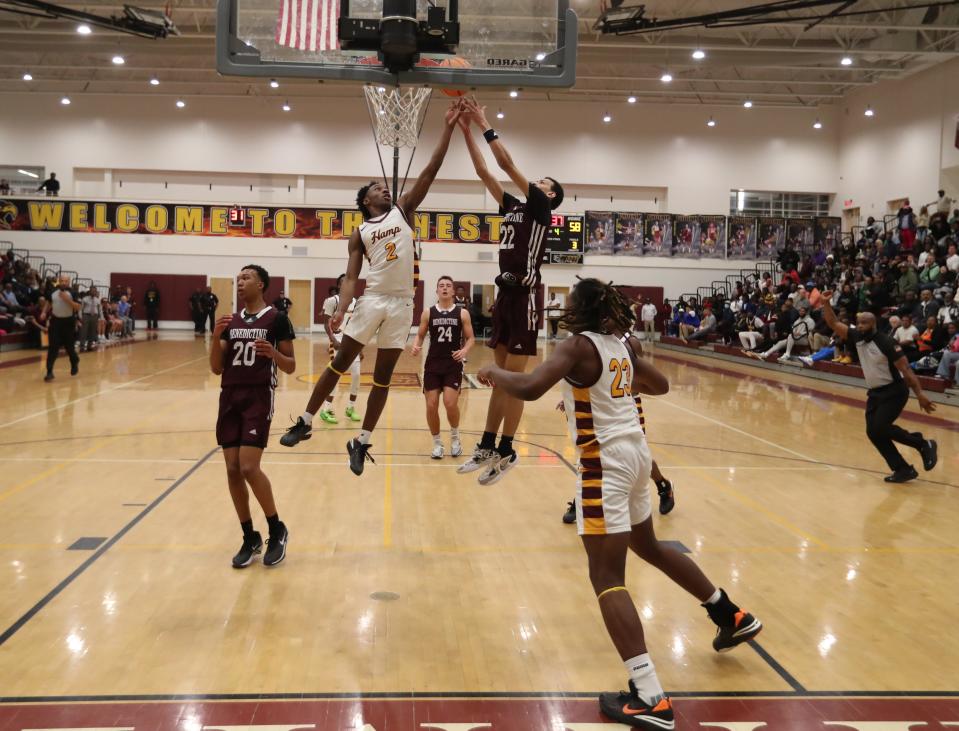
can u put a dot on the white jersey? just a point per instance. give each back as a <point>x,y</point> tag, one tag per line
<point>331,303</point>
<point>605,410</point>
<point>388,247</point>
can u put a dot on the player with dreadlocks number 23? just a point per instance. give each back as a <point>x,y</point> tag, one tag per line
<point>599,374</point>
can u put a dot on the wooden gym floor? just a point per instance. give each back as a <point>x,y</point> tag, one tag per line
<point>413,584</point>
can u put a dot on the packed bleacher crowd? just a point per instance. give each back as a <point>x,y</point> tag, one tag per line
<point>905,274</point>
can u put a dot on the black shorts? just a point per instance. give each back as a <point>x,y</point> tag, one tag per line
<point>515,321</point>
<point>437,376</point>
<point>245,416</point>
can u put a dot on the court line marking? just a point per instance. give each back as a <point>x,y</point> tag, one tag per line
<point>776,666</point>
<point>75,574</point>
<point>388,480</point>
<point>100,393</point>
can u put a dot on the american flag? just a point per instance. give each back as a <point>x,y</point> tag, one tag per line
<point>308,25</point>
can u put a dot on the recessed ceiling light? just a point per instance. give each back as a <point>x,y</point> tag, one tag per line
<point>28,77</point>
<point>666,78</point>
<point>540,56</point>
<point>869,112</point>
<point>499,114</point>
<point>699,54</point>
<point>513,93</point>
<point>286,106</point>
<point>631,99</point>
<point>607,118</point>
<point>65,101</point>
<point>154,81</point>
<point>274,84</point>
<point>180,103</point>
<point>817,124</point>
<point>119,60</point>
<point>711,122</point>
<point>83,29</point>
<point>748,104</point>
<point>846,61</point>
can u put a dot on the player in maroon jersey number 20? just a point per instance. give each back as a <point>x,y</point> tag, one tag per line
<point>515,319</point>
<point>247,348</point>
<point>451,337</point>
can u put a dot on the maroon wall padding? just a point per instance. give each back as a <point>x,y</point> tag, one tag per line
<point>639,294</point>
<point>175,291</point>
<point>277,285</point>
<point>321,290</point>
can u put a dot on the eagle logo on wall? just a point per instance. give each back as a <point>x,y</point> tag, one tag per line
<point>8,214</point>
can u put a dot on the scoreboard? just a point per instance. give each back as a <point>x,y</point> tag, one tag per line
<point>564,240</point>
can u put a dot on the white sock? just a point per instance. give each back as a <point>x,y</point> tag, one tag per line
<point>364,437</point>
<point>717,595</point>
<point>307,418</point>
<point>643,674</point>
<point>454,432</point>
<point>436,439</point>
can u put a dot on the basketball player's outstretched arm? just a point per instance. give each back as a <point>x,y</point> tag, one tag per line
<point>646,377</point>
<point>353,267</point>
<point>531,386</point>
<point>411,200</point>
<point>479,163</point>
<point>503,158</point>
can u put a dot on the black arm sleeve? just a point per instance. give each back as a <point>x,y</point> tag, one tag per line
<point>538,205</point>
<point>853,337</point>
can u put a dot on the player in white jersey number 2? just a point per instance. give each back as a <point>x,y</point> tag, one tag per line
<point>386,308</point>
<point>599,374</point>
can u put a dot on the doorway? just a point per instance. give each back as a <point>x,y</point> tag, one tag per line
<point>301,293</point>
<point>225,290</point>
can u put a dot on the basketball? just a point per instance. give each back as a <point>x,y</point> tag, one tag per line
<point>450,62</point>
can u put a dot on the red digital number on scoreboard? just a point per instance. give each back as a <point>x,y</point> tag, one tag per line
<point>558,220</point>
<point>237,216</point>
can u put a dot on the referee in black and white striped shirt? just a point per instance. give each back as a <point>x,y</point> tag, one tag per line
<point>887,373</point>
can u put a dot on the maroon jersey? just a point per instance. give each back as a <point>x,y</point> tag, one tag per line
<point>446,334</point>
<point>522,235</point>
<point>241,365</point>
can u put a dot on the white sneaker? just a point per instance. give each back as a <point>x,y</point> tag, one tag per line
<point>437,452</point>
<point>783,359</point>
<point>456,447</point>
<point>497,468</point>
<point>806,361</point>
<point>480,458</point>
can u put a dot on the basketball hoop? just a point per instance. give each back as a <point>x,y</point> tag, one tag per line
<point>397,114</point>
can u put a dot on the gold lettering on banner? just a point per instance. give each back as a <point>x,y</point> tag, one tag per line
<point>326,219</point>
<point>421,226</point>
<point>157,219</point>
<point>444,226</point>
<point>495,224</point>
<point>100,222</point>
<point>284,222</point>
<point>78,216</point>
<point>218,218</point>
<point>45,216</point>
<point>469,227</point>
<point>257,218</point>
<point>352,220</point>
<point>188,219</point>
<point>128,218</point>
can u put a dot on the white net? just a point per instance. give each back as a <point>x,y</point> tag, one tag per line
<point>397,113</point>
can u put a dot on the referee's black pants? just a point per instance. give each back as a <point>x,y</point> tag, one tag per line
<point>883,406</point>
<point>63,333</point>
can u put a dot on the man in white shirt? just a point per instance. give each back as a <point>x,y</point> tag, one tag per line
<point>906,335</point>
<point>648,316</point>
<point>952,260</point>
<point>949,312</point>
<point>944,203</point>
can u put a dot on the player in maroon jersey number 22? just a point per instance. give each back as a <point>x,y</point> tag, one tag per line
<point>247,348</point>
<point>515,318</point>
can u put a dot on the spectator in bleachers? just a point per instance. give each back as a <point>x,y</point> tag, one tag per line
<point>798,335</point>
<point>949,312</point>
<point>689,323</point>
<point>750,327</point>
<point>952,258</point>
<point>906,335</point>
<point>133,309</point>
<point>123,313</point>
<point>933,338</point>
<point>91,312</point>
<point>707,326</point>
<point>38,320</point>
<point>928,306</point>
<point>51,185</point>
<point>10,300</point>
<point>949,362</point>
<point>943,203</point>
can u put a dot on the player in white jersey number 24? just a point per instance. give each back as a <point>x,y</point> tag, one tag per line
<point>386,308</point>
<point>599,374</point>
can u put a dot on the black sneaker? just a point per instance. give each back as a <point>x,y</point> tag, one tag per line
<point>930,454</point>
<point>745,627</point>
<point>74,369</point>
<point>250,548</point>
<point>666,500</point>
<point>628,708</point>
<point>297,433</point>
<point>570,515</point>
<point>276,547</point>
<point>904,474</point>
<point>48,377</point>
<point>359,455</point>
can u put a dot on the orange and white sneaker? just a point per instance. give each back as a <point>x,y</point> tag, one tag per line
<point>745,627</point>
<point>628,708</point>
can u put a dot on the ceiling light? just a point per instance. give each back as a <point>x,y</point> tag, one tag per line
<point>711,122</point>
<point>540,56</point>
<point>607,118</point>
<point>748,104</point>
<point>274,84</point>
<point>846,61</point>
<point>666,78</point>
<point>817,124</point>
<point>27,77</point>
<point>28,173</point>
<point>513,94</point>
<point>499,114</point>
<point>180,103</point>
<point>154,81</point>
<point>631,99</point>
<point>381,89</point>
<point>869,112</point>
<point>83,29</point>
<point>286,106</point>
<point>119,60</point>
<point>65,101</point>
<point>699,54</point>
